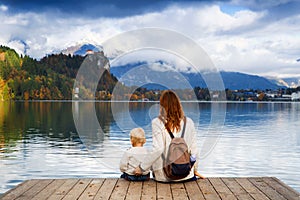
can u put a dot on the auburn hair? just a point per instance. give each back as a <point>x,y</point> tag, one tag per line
<point>171,110</point>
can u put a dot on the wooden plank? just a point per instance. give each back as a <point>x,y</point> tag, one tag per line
<point>19,190</point>
<point>63,189</point>
<point>236,189</point>
<point>49,189</point>
<point>287,186</point>
<point>283,190</point>
<point>149,190</point>
<point>163,191</point>
<point>134,190</point>
<point>120,190</point>
<point>178,191</point>
<point>106,189</point>
<point>29,194</point>
<point>193,191</point>
<point>222,189</point>
<point>266,189</point>
<point>251,189</point>
<point>92,189</point>
<point>207,189</point>
<point>77,190</point>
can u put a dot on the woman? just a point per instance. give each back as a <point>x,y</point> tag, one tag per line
<point>171,116</point>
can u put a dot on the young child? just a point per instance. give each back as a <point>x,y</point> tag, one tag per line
<point>134,156</point>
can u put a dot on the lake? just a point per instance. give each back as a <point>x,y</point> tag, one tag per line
<point>42,140</point>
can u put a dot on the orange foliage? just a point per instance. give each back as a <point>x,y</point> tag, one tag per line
<point>26,95</point>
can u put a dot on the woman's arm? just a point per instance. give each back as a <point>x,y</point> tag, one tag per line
<point>194,146</point>
<point>157,136</point>
<point>157,144</point>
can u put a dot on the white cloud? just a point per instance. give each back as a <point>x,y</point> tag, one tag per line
<point>153,57</point>
<point>241,41</point>
<point>3,8</point>
<point>271,49</point>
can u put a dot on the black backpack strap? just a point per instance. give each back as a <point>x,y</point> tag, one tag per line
<point>184,124</point>
<point>170,132</point>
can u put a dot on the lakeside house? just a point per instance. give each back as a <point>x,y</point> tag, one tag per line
<point>295,96</point>
<point>76,93</point>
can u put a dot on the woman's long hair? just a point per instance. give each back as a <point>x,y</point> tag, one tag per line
<point>171,110</point>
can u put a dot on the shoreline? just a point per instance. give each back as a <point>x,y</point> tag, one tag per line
<point>126,101</point>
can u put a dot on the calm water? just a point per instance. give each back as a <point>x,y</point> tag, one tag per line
<point>40,140</point>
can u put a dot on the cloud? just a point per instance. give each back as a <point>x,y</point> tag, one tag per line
<point>158,60</point>
<point>239,39</point>
<point>3,8</point>
<point>276,9</point>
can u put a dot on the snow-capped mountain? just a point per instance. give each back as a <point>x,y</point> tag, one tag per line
<point>82,49</point>
<point>293,82</point>
<point>19,45</point>
<point>286,82</point>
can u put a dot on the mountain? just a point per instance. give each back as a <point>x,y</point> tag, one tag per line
<point>292,82</point>
<point>278,81</point>
<point>82,49</point>
<point>19,45</point>
<point>139,74</point>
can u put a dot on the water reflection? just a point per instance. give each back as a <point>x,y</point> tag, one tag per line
<point>40,140</point>
<point>39,118</point>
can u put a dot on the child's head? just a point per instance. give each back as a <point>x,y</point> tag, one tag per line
<point>137,137</point>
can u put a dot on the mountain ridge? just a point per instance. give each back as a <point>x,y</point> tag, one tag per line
<point>232,80</point>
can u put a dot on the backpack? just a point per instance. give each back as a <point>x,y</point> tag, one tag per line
<point>177,164</point>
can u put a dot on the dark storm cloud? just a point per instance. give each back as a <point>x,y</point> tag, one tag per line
<point>99,8</point>
<point>120,8</point>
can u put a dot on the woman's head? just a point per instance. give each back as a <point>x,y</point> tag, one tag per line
<point>171,110</point>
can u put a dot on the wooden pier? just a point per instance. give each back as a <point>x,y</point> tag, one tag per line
<point>262,188</point>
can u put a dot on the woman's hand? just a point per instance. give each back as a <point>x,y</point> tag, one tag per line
<point>138,171</point>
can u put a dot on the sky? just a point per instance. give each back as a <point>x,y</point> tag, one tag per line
<point>256,36</point>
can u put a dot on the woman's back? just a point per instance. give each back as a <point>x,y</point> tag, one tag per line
<point>162,140</point>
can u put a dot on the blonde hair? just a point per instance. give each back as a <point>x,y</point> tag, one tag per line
<point>137,136</point>
<point>171,110</point>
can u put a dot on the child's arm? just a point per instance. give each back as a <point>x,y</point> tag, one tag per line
<point>124,162</point>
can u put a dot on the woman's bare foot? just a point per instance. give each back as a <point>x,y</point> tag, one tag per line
<point>199,175</point>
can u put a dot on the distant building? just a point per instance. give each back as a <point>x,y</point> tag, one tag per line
<point>272,95</point>
<point>76,93</point>
<point>215,96</point>
<point>296,96</point>
<point>286,96</point>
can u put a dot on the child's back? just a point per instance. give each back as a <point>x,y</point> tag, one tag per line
<point>134,156</point>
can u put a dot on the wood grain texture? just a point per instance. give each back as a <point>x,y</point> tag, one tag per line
<point>229,188</point>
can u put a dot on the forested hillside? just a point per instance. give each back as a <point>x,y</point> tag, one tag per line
<point>51,78</point>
